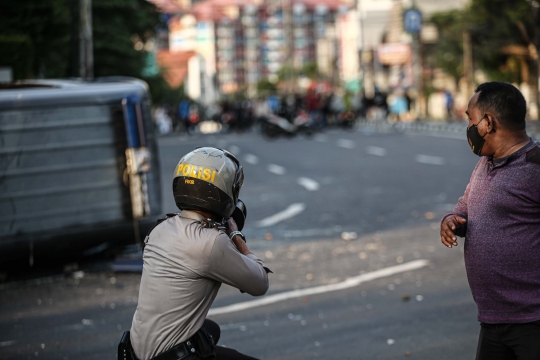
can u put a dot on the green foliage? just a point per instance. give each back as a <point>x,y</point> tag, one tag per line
<point>493,25</point>
<point>115,22</point>
<point>311,71</point>
<point>47,24</point>
<point>447,53</point>
<point>265,87</point>
<point>37,39</point>
<point>17,53</point>
<point>286,73</point>
<point>162,93</point>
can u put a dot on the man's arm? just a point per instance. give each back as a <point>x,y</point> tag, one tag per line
<point>245,272</point>
<point>455,223</point>
<point>460,210</point>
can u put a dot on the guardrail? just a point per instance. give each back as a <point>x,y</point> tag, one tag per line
<point>533,127</point>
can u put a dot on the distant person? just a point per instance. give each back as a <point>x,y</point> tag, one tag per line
<point>261,110</point>
<point>449,103</point>
<point>313,107</point>
<point>499,216</point>
<point>274,103</point>
<point>163,121</point>
<point>326,109</point>
<point>183,113</point>
<point>380,105</point>
<point>397,104</point>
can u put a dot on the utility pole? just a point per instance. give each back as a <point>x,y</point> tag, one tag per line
<point>86,49</point>
<point>362,42</point>
<point>418,77</point>
<point>287,16</point>
<point>74,38</point>
<point>412,22</point>
<point>468,61</point>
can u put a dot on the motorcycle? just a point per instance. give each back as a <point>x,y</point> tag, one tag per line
<point>273,126</point>
<point>346,119</point>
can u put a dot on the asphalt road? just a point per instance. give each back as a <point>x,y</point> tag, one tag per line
<point>364,183</point>
<point>348,222</point>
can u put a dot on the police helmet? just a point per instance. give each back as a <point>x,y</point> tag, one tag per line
<point>208,179</point>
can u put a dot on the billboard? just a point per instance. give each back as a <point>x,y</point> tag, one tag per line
<point>394,53</point>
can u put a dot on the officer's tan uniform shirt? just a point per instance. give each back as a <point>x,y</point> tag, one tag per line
<point>184,266</point>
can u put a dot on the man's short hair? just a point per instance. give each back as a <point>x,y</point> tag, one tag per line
<point>505,101</point>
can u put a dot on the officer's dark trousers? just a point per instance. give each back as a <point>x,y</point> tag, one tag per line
<point>223,353</point>
<point>509,341</point>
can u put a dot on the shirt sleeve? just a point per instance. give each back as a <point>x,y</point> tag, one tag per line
<point>461,207</point>
<point>247,273</point>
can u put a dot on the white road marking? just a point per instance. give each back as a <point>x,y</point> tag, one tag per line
<point>7,343</point>
<point>345,143</point>
<point>276,169</point>
<point>349,283</point>
<point>428,159</point>
<point>251,159</point>
<point>288,213</point>
<point>234,149</point>
<point>321,138</point>
<point>375,150</point>
<point>309,184</point>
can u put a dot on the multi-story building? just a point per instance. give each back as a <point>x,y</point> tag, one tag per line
<point>244,41</point>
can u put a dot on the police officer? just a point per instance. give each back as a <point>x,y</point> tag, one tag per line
<point>186,259</point>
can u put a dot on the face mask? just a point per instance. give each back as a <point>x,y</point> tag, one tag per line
<point>476,142</point>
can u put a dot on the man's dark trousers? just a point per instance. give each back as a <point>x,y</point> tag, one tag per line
<point>509,341</point>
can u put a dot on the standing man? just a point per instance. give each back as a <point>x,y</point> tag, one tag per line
<point>186,259</point>
<point>499,215</point>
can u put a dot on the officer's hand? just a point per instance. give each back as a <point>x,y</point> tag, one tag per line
<point>448,229</point>
<point>231,226</point>
<point>237,240</point>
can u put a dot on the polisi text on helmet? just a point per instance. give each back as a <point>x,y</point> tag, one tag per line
<point>194,171</point>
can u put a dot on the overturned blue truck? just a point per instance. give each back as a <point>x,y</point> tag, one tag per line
<point>78,166</point>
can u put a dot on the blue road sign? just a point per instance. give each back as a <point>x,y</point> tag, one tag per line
<point>412,21</point>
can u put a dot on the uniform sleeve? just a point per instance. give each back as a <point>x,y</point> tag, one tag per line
<point>461,207</point>
<point>245,272</point>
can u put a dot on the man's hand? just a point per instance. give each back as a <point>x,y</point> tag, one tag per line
<point>448,229</point>
<point>237,239</point>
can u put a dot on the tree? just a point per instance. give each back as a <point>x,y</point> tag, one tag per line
<point>117,23</point>
<point>505,38</point>
<point>447,53</point>
<point>15,51</point>
<point>46,26</point>
<point>40,38</point>
<point>265,87</point>
<point>498,25</point>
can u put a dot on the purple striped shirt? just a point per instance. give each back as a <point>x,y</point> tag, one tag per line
<point>502,236</point>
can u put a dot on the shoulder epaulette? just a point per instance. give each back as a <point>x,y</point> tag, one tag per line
<point>159,221</point>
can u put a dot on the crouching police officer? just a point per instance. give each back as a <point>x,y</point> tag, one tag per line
<point>186,258</point>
